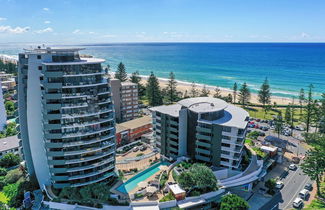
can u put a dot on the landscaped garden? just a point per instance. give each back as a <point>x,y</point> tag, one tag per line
<point>13,182</point>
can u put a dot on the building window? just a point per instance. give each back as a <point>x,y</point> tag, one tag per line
<point>40,68</point>
<point>39,57</point>
<point>226,129</point>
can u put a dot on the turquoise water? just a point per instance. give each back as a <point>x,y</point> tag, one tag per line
<point>288,66</point>
<point>143,175</point>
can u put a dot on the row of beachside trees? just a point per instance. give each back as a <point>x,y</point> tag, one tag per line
<point>311,110</point>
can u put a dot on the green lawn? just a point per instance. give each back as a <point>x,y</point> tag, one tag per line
<point>258,112</point>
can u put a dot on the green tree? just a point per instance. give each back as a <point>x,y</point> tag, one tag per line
<point>200,177</point>
<point>278,124</point>
<point>228,98</point>
<point>232,201</point>
<point>217,93</point>
<point>244,94</point>
<point>121,73</point>
<point>9,160</point>
<point>287,114</point>
<point>322,114</point>
<point>234,88</point>
<point>264,95</point>
<point>153,91</point>
<point>309,108</point>
<point>314,165</point>
<point>135,78</point>
<point>205,92</point>
<point>172,94</point>
<point>301,99</point>
<point>10,108</point>
<point>3,171</point>
<point>194,91</point>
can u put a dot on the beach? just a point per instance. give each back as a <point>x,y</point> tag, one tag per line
<point>186,86</point>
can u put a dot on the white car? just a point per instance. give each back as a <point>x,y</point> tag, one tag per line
<point>292,167</point>
<point>279,184</point>
<point>297,203</point>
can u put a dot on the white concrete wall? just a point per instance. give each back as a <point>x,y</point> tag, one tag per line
<point>182,132</point>
<point>34,121</point>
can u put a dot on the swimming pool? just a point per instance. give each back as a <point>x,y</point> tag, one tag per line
<point>143,175</point>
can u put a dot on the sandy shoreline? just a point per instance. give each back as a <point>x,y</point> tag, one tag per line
<point>183,86</point>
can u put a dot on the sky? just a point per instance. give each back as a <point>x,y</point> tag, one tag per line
<point>106,21</point>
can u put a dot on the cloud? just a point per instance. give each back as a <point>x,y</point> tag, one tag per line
<point>3,19</point>
<point>304,35</point>
<point>77,31</point>
<point>47,22</point>
<point>108,36</point>
<point>173,34</point>
<point>11,30</point>
<point>45,30</point>
<point>91,32</point>
<point>46,9</point>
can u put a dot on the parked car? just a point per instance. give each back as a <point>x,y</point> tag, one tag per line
<point>279,184</point>
<point>261,133</point>
<point>292,167</point>
<point>143,148</point>
<point>135,149</point>
<point>298,203</point>
<point>304,194</point>
<point>309,187</point>
<point>296,160</point>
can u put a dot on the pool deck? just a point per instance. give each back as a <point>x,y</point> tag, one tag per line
<point>133,191</point>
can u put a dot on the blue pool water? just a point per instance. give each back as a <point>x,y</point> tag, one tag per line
<point>143,175</point>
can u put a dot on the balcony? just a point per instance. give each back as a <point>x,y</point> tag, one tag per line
<point>79,134</point>
<point>83,84</point>
<point>100,155</point>
<point>79,74</point>
<point>201,129</point>
<point>204,137</point>
<point>203,151</point>
<point>203,144</point>
<point>87,114</point>
<point>82,176</point>
<point>105,176</point>
<point>94,165</point>
<point>199,157</point>
<point>79,152</point>
<point>74,105</point>
<point>89,123</point>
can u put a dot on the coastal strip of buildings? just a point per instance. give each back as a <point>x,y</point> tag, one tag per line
<point>66,117</point>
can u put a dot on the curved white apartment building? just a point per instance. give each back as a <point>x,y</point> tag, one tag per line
<point>66,117</point>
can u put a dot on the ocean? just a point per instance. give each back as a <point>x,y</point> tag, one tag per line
<point>288,66</point>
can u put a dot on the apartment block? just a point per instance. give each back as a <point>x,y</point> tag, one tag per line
<point>204,129</point>
<point>66,117</point>
<point>125,99</point>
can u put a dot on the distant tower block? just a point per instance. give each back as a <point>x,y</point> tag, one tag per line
<point>3,115</point>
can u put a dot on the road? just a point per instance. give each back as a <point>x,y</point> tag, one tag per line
<point>294,182</point>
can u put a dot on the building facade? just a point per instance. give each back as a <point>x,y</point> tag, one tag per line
<point>133,130</point>
<point>125,98</point>
<point>3,114</point>
<point>205,129</point>
<point>66,118</point>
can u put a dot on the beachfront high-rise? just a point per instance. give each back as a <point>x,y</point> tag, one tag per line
<point>205,129</point>
<point>66,117</point>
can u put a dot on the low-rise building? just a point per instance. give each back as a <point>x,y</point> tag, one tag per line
<point>205,129</point>
<point>10,145</point>
<point>125,99</point>
<point>8,81</point>
<point>132,130</point>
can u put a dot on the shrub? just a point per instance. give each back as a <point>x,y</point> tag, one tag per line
<point>200,177</point>
<point>168,197</point>
<point>9,160</point>
<point>232,201</point>
<point>140,154</point>
<point>253,135</point>
<point>13,176</point>
<point>3,171</point>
